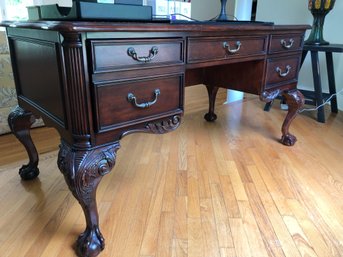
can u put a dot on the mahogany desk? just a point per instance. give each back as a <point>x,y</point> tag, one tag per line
<point>96,82</point>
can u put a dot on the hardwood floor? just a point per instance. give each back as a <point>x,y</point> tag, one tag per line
<point>222,189</point>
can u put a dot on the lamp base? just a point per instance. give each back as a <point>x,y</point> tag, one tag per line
<point>222,16</point>
<point>316,36</point>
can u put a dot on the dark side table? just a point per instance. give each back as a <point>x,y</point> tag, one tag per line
<point>317,97</point>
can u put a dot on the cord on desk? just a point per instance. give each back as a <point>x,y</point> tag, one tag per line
<point>212,19</point>
<point>185,16</point>
<point>228,15</point>
<point>317,107</point>
<point>192,19</point>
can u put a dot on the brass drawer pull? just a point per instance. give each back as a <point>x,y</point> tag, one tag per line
<point>287,45</point>
<point>152,54</point>
<point>132,99</point>
<point>283,74</point>
<point>226,45</point>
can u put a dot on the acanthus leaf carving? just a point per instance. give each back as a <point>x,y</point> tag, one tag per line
<point>158,127</point>
<point>268,96</point>
<point>164,126</point>
<point>83,169</point>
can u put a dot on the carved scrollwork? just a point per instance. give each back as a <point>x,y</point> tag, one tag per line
<point>164,126</point>
<point>158,127</point>
<point>14,115</point>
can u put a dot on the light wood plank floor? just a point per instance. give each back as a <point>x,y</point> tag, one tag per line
<point>222,189</point>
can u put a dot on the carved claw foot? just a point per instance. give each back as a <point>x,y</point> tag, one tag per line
<point>288,139</point>
<point>20,122</point>
<point>28,172</point>
<point>210,116</point>
<point>90,243</point>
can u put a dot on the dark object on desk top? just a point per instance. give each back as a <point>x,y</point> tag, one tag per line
<point>90,10</point>
<point>224,22</point>
<point>130,2</point>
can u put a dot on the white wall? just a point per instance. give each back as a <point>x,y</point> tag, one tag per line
<point>243,10</point>
<point>296,12</point>
<point>209,9</point>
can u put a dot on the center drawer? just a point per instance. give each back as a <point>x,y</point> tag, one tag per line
<point>202,49</point>
<point>127,103</point>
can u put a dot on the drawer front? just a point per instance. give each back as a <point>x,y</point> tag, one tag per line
<point>223,48</point>
<point>111,55</point>
<point>113,107</point>
<point>282,70</point>
<point>285,43</point>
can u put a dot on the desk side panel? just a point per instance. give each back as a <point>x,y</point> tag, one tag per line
<point>38,76</point>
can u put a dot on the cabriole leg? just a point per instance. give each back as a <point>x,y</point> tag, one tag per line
<point>83,170</point>
<point>295,100</point>
<point>212,93</point>
<point>20,122</point>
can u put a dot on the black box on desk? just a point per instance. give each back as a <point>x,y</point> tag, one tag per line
<point>92,11</point>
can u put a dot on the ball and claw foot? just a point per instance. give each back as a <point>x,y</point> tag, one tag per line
<point>288,139</point>
<point>210,117</point>
<point>90,243</point>
<point>28,172</point>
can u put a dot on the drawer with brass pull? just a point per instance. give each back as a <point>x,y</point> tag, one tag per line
<point>113,55</point>
<point>282,70</point>
<point>201,49</point>
<point>121,103</point>
<point>284,43</point>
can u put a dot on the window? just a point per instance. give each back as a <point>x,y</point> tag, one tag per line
<point>14,9</point>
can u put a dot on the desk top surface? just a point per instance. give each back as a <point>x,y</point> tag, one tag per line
<point>97,26</point>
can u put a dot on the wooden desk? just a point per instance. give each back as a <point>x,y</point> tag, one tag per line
<point>317,96</point>
<point>96,82</point>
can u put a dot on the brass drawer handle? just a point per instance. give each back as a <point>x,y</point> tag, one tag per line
<point>152,54</point>
<point>283,74</point>
<point>287,45</point>
<point>226,45</point>
<point>132,99</point>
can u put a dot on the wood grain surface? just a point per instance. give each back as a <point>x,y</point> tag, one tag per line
<point>222,189</point>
